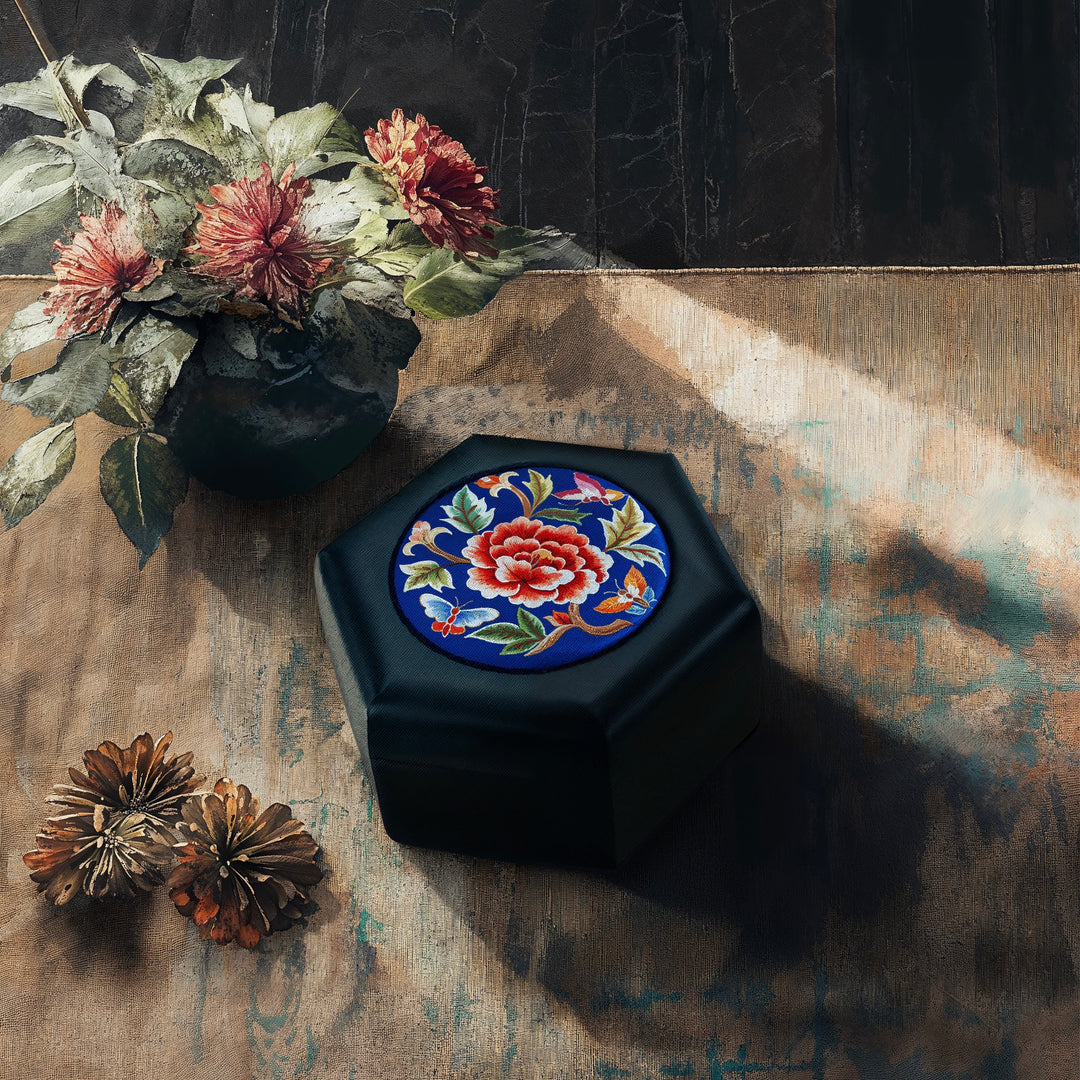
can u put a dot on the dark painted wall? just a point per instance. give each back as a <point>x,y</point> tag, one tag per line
<point>741,132</point>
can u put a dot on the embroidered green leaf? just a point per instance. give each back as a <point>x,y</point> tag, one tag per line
<point>35,468</point>
<point>29,328</point>
<point>530,624</point>
<point>426,575</point>
<point>519,638</point>
<point>72,386</point>
<point>119,405</point>
<point>641,554</point>
<point>467,513</point>
<point>627,525</point>
<point>143,483</point>
<point>558,513</point>
<point>540,487</point>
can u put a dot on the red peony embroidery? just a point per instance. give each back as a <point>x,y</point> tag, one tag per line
<point>103,261</point>
<point>532,563</point>
<point>254,236</point>
<point>440,185</point>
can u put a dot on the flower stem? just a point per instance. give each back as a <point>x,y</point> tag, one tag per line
<point>578,623</point>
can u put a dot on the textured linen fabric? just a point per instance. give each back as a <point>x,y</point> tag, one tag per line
<point>883,880</point>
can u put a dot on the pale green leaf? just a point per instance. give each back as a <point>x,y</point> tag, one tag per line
<point>178,84</point>
<point>78,76</point>
<point>294,137</point>
<point>368,236</point>
<point>175,176</point>
<point>242,113</point>
<point>511,636</point>
<point>152,353</point>
<point>97,163</point>
<point>143,484</point>
<point>333,210</point>
<point>641,554</point>
<point>626,526</point>
<point>34,96</point>
<point>37,202</point>
<point>34,469</point>
<point>358,339</point>
<point>119,405</point>
<point>29,328</point>
<point>467,513</point>
<point>540,487</point>
<point>447,286</point>
<point>180,294</point>
<point>426,575</point>
<point>72,386</point>
<point>402,252</point>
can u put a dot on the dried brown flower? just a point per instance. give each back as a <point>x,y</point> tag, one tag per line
<point>135,780</point>
<point>104,855</point>
<point>241,874</point>
<point>110,835</point>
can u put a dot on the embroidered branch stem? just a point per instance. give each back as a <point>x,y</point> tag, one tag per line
<point>433,547</point>
<point>526,503</point>
<point>578,623</point>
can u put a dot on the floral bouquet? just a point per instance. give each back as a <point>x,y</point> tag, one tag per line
<point>220,261</point>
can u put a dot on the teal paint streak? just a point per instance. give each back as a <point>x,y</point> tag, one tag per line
<point>607,1071</point>
<point>312,1053</point>
<point>752,997</point>
<point>511,1038</point>
<point>617,997</point>
<point>460,1015</point>
<point>300,673</point>
<point>678,1068</point>
<point>271,1034</point>
<point>431,1011</point>
<point>747,468</point>
<point>1014,612</point>
<point>742,1068</point>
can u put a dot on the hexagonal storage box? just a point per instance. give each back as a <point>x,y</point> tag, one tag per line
<point>543,649</point>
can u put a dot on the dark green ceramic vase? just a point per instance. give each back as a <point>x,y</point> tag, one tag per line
<point>262,410</point>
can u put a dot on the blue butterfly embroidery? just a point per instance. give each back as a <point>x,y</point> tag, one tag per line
<point>447,618</point>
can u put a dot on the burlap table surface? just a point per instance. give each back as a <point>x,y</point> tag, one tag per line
<point>883,881</point>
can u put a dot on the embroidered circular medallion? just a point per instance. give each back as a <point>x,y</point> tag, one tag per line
<point>530,569</point>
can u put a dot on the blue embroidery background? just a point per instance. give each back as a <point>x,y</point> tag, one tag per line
<point>572,645</point>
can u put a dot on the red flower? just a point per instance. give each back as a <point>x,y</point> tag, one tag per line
<point>254,237</point>
<point>531,563</point>
<point>103,261</point>
<point>440,185</point>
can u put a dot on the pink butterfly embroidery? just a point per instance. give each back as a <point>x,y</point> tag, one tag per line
<point>588,490</point>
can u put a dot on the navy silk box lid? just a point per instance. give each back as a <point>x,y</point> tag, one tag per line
<point>543,649</point>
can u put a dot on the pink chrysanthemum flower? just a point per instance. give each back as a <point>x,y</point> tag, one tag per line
<point>103,261</point>
<point>440,185</point>
<point>253,236</point>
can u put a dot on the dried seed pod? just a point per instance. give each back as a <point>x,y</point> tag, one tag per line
<point>135,780</point>
<point>241,874</point>
<point>117,855</point>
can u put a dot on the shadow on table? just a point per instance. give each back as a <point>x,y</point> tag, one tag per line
<point>809,841</point>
